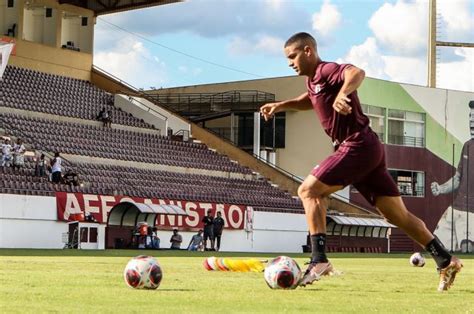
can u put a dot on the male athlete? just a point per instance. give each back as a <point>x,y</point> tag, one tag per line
<point>358,158</point>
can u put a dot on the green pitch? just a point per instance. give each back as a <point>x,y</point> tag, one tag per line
<point>91,282</point>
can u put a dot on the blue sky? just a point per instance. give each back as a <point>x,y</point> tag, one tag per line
<point>209,41</point>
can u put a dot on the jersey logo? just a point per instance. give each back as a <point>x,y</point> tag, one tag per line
<point>317,88</point>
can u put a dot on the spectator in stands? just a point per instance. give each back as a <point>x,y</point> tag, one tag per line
<point>56,168</point>
<point>19,154</point>
<point>40,165</point>
<point>208,222</point>
<point>49,169</point>
<point>103,116</point>
<point>218,226</point>
<point>109,118</point>
<point>6,153</point>
<point>176,240</point>
<point>196,243</point>
<point>71,178</point>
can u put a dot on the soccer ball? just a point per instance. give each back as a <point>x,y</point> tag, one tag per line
<point>282,273</point>
<point>143,272</point>
<point>417,260</point>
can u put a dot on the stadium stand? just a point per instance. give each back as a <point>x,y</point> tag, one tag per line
<point>42,101</point>
<point>36,91</point>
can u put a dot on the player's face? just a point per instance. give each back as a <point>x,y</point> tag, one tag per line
<point>298,58</point>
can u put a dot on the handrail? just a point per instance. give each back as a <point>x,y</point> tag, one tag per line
<point>147,108</point>
<point>116,78</point>
<point>134,89</point>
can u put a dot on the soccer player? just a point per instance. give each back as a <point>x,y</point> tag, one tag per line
<point>358,158</point>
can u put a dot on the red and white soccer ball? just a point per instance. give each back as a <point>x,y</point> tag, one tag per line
<point>143,272</point>
<point>417,260</point>
<point>282,273</point>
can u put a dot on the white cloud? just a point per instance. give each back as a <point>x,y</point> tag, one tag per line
<point>398,49</point>
<point>402,27</point>
<point>458,74</point>
<point>229,17</point>
<point>403,69</point>
<point>327,19</point>
<point>132,62</point>
<point>457,20</point>
<point>266,45</point>
<point>367,57</point>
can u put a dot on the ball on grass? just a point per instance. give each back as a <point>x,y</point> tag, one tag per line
<point>417,260</point>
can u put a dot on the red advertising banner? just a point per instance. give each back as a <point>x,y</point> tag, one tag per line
<point>75,206</point>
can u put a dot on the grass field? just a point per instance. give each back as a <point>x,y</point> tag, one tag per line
<point>91,281</point>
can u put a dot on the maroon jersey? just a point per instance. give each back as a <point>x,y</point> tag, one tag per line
<point>322,90</point>
<point>465,192</point>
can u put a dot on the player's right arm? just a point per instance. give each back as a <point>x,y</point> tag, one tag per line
<point>301,102</point>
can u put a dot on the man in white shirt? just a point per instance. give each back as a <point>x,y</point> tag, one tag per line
<point>19,154</point>
<point>56,168</point>
<point>6,153</point>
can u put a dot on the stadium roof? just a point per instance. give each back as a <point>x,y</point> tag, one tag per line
<point>101,7</point>
<point>129,214</point>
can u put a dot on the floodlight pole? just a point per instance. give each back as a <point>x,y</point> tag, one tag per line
<point>433,44</point>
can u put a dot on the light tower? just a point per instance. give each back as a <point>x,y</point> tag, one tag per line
<point>433,43</point>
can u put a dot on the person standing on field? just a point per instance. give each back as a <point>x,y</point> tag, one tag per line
<point>358,158</point>
<point>218,227</point>
<point>208,222</point>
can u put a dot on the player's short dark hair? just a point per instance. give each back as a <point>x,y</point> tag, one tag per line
<point>471,104</point>
<point>303,38</point>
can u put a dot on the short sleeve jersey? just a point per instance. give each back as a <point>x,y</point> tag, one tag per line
<point>322,91</point>
<point>465,193</point>
<point>6,149</point>
<point>218,224</point>
<point>208,222</point>
<point>57,165</point>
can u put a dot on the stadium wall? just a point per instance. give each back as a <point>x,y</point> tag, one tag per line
<point>31,222</point>
<point>51,58</point>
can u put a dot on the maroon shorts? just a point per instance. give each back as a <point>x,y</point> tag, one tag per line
<point>360,161</point>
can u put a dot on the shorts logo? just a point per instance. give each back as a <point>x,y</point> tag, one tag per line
<point>317,88</point>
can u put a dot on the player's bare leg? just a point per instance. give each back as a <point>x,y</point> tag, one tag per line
<point>313,193</point>
<point>393,208</point>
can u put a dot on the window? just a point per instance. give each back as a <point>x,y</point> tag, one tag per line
<point>410,183</point>
<point>406,128</point>
<point>272,132</point>
<point>376,116</point>
<point>84,234</point>
<point>10,4</point>
<point>93,235</point>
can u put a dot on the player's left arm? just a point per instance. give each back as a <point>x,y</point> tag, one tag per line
<point>353,77</point>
